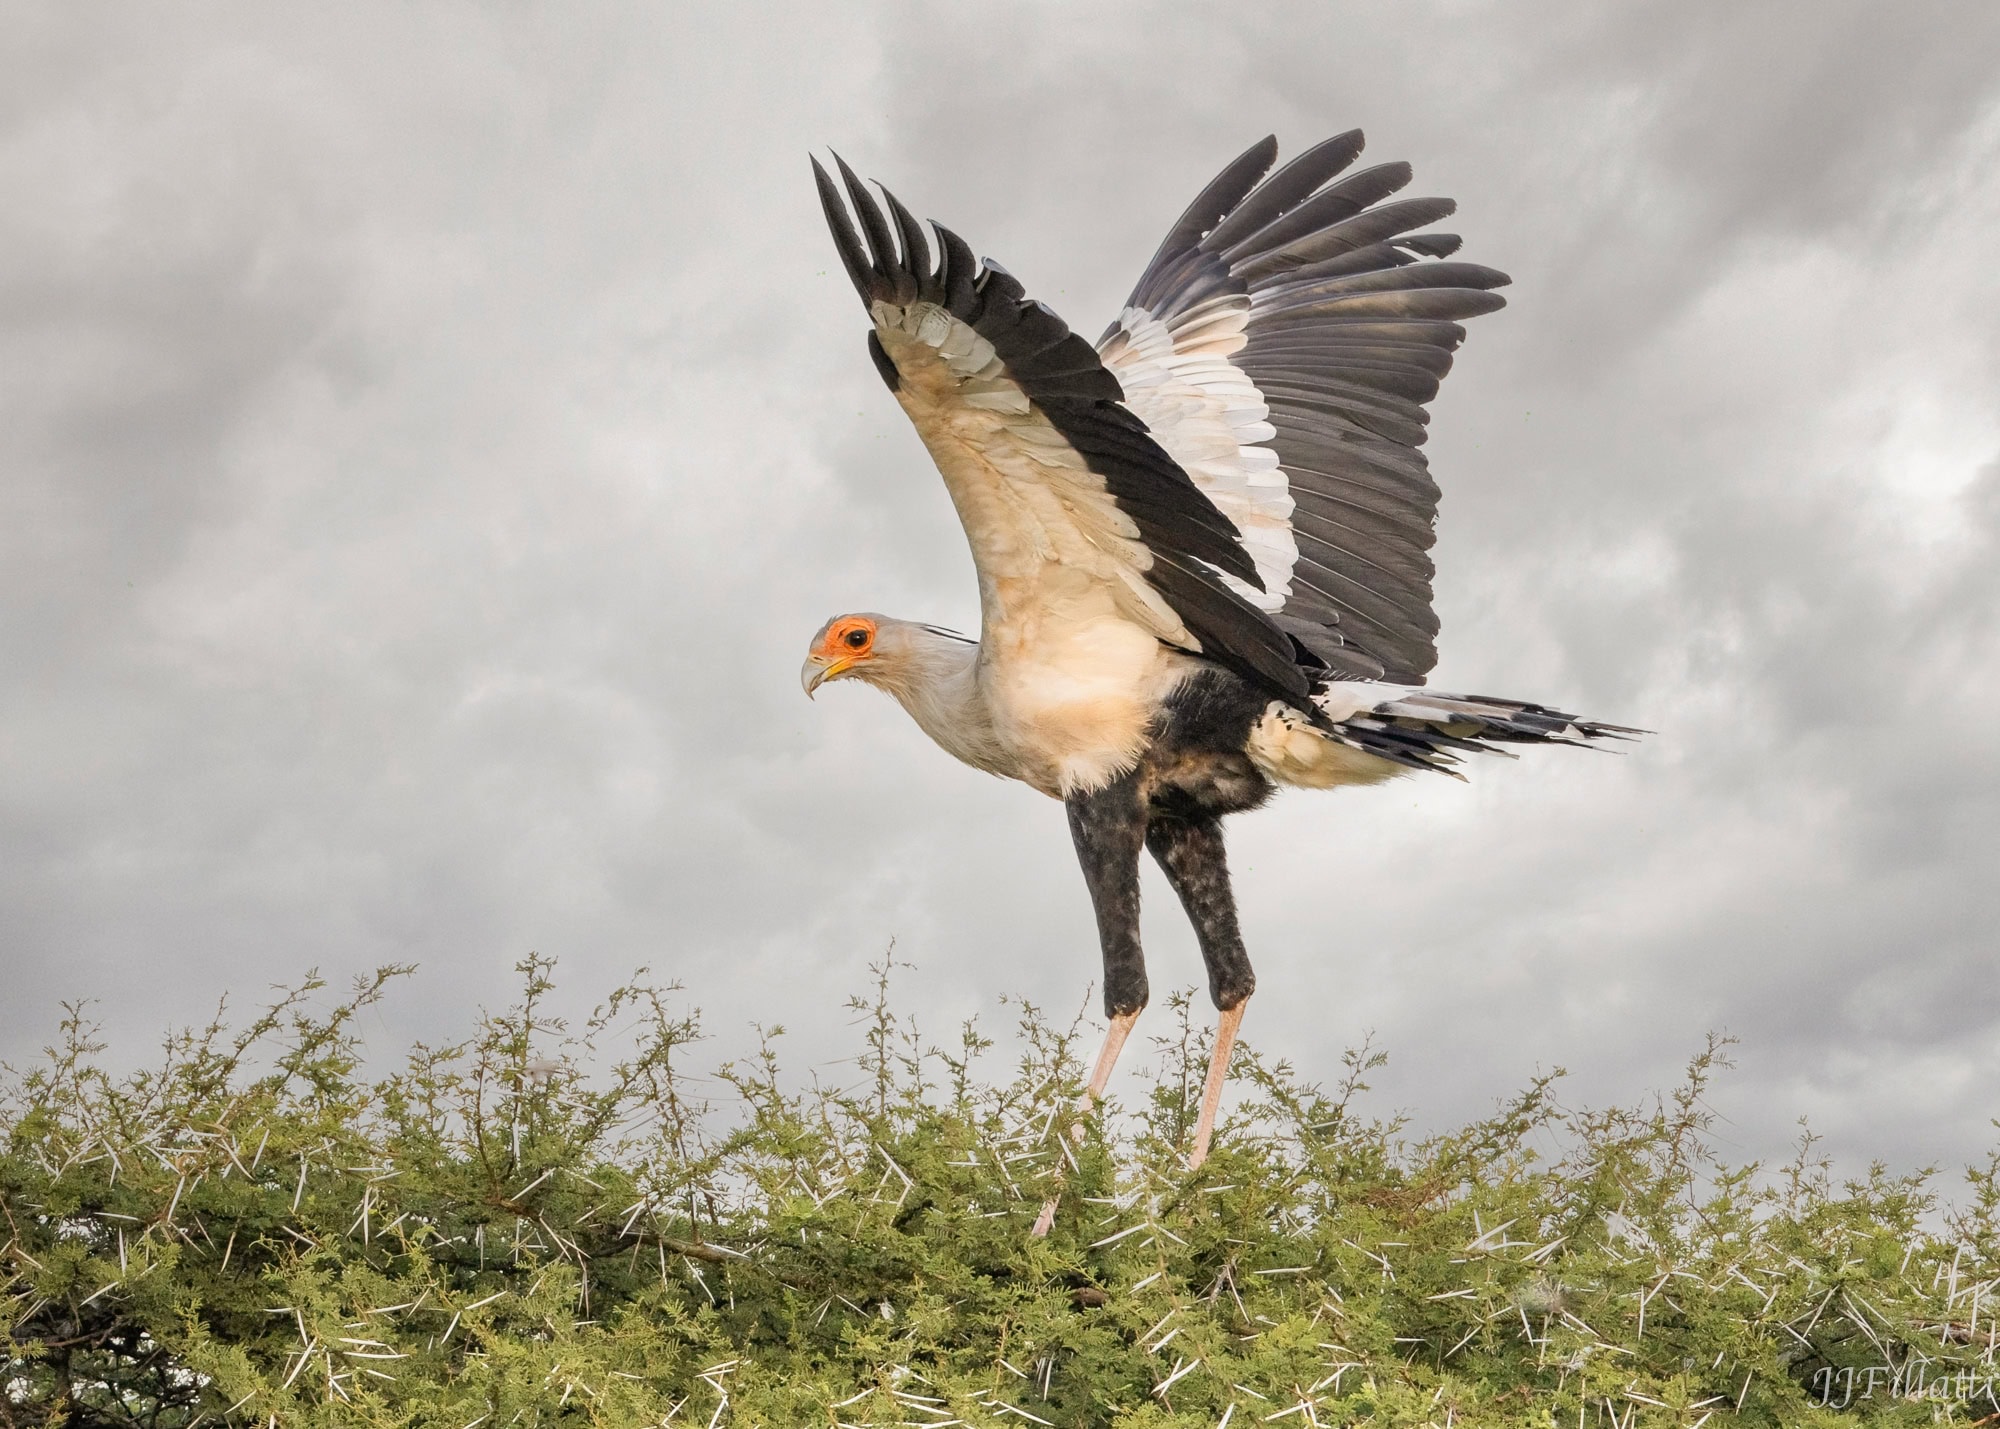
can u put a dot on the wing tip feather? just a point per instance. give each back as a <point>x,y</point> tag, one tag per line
<point>853,256</point>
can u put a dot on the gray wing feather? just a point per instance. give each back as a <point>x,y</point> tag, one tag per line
<point>1353,319</point>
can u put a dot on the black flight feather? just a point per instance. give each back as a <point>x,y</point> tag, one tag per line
<point>852,256</point>
<point>1285,189</point>
<point>1163,273</point>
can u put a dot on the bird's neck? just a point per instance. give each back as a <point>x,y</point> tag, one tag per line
<point>939,686</point>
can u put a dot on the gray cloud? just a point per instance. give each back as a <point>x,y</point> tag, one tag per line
<point>433,435</point>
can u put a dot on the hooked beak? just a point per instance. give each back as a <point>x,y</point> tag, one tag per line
<point>818,670</point>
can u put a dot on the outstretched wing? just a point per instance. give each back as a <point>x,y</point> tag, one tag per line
<point>1066,500</point>
<point>1281,346</point>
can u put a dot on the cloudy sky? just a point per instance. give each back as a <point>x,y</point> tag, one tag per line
<point>432,434</point>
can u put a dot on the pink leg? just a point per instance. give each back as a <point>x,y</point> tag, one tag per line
<point>1100,1078</point>
<point>1107,1058</point>
<point>1211,1092</point>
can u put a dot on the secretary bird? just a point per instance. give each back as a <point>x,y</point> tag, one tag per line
<point>1202,543</point>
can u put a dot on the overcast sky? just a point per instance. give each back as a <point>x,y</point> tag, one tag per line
<point>432,434</point>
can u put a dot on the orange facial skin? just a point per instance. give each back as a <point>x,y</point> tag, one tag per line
<point>847,641</point>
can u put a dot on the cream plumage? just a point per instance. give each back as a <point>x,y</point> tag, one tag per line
<point>1202,543</point>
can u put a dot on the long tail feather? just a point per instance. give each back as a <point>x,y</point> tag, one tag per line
<point>1426,729</point>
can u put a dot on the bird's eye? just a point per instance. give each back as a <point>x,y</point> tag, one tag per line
<point>856,639</point>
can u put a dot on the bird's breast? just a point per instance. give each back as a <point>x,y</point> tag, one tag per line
<point>1075,702</point>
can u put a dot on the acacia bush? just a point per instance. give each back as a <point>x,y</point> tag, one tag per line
<point>552,1225</point>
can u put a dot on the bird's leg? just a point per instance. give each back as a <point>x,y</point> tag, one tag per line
<point>1108,827</point>
<point>1100,1078</point>
<point>1211,1090</point>
<point>1107,1057</point>
<point>1190,853</point>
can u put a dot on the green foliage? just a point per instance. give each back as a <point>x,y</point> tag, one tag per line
<point>546,1225</point>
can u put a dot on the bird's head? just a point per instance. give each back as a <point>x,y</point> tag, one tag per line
<point>860,645</point>
<point>900,656</point>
